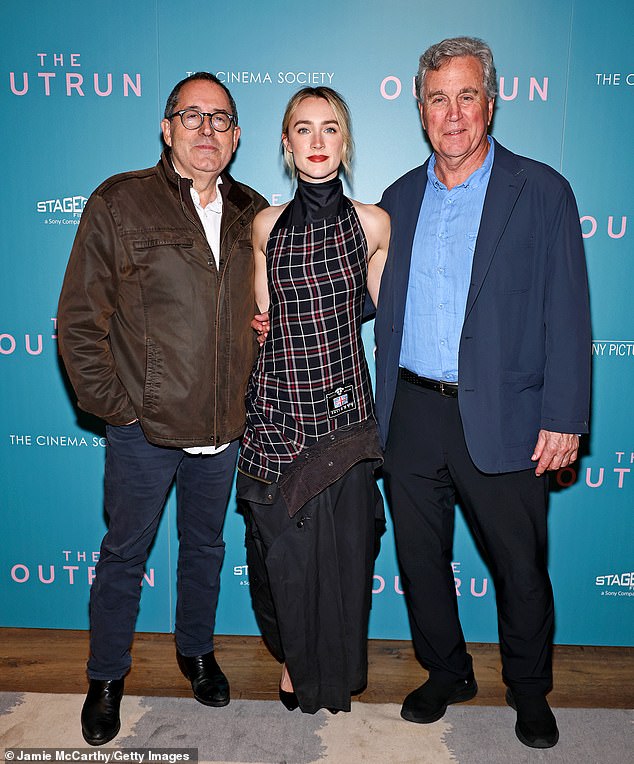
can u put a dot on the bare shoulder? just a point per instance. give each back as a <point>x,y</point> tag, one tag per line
<point>376,225</point>
<point>372,217</point>
<point>266,219</point>
<point>263,222</point>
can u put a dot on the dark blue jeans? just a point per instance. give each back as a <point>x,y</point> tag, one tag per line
<point>138,476</point>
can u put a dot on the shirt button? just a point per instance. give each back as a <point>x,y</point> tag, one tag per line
<point>330,464</point>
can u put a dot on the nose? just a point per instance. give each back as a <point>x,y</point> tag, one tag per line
<point>317,142</point>
<point>206,127</point>
<point>454,112</point>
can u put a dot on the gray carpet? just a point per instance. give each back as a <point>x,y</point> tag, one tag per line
<point>263,732</point>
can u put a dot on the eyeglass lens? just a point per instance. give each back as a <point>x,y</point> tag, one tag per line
<point>193,119</point>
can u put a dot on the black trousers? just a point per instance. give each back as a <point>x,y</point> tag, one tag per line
<point>427,466</point>
<point>311,581</point>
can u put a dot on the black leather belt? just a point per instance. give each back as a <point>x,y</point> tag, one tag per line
<point>444,388</point>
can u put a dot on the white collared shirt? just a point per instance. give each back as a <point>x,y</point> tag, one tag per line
<point>211,218</point>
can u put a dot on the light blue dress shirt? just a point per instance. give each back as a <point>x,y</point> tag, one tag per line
<point>440,272</point>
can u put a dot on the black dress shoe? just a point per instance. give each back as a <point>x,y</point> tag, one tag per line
<point>535,726</point>
<point>209,684</point>
<point>429,702</point>
<point>100,714</point>
<point>289,699</point>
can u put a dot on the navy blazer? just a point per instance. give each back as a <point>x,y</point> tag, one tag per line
<point>525,347</point>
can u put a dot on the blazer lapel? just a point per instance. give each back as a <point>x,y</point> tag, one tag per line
<point>409,206</point>
<point>506,182</point>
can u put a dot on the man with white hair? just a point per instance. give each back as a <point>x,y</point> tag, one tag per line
<point>483,381</point>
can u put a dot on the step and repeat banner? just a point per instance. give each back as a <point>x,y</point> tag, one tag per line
<point>82,91</point>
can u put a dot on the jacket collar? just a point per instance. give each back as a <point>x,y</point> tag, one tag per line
<point>173,178</point>
<point>230,190</point>
<point>507,180</point>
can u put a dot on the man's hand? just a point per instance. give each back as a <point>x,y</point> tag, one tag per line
<point>261,325</point>
<point>554,450</point>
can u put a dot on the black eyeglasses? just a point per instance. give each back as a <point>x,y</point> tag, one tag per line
<point>193,119</point>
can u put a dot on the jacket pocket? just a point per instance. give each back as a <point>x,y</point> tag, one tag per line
<point>521,406</point>
<point>152,239</point>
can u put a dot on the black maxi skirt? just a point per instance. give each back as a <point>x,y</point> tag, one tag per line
<point>311,581</point>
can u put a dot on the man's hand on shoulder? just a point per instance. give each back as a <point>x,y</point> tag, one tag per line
<point>554,450</point>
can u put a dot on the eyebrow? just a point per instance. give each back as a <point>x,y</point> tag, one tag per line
<point>196,107</point>
<point>312,122</point>
<point>460,92</point>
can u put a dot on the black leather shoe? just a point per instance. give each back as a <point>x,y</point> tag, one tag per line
<point>209,684</point>
<point>429,702</point>
<point>100,714</point>
<point>536,726</point>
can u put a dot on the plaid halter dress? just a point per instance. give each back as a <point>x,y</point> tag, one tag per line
<point>311,377</point>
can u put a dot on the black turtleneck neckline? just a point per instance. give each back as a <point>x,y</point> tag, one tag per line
<point>313,202</point>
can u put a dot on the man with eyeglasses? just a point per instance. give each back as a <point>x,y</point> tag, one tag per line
<point>154,329</point>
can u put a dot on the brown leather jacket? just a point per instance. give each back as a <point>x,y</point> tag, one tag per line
<point>148,326</point>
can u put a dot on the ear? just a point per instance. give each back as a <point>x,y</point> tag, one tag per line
<point>491,105</point>
<point>421,111</point>
<point>166,128</point>
<point>286,144</point>
<point>237,132</point>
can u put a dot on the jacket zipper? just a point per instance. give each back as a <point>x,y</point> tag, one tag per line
<point>221,274</point>
<point>210,263</point>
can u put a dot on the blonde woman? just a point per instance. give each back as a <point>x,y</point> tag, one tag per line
<point>306,479</point>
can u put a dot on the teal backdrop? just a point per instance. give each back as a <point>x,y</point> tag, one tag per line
<point>82,90</point>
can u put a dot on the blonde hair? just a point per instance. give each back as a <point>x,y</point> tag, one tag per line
<point>342,115</point>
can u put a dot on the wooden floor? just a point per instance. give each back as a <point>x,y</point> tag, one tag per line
<point>51,660</point>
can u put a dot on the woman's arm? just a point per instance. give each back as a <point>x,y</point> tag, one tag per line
<point>262,225</point>
<point>260,231</point>
<point>376,226</point>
